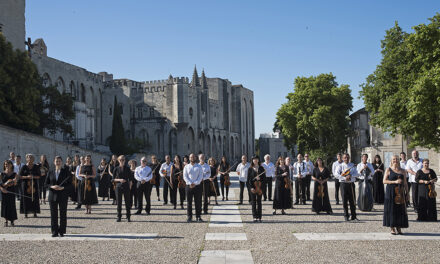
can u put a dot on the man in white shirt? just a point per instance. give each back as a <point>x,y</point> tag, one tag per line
<point>17,168</point>
<point>242,171</point>
<point>12,157</point>
<point>193,176</point>
<point>412,166</point>
<point>80,180</point>
<point>143,175</point>
<point>335,166</point>
<point>270,173</point>
<point>403,162</point>
<point>299,170</point>
<point>347,175</point>
<point>165,172</point>
<point>365,166</point>
<point>205,185</point>
<point>309,172</point>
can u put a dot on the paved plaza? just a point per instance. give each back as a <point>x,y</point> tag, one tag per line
<point>228,235</point>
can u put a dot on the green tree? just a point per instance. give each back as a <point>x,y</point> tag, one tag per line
<point>117,139</point>
<point>403,93</point>
<point>315,117</point>
<point>57,110</point>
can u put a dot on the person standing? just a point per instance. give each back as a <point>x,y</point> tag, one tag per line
<point>334,172</point>
<point>403,162</point>
<point>176,177</point>
<point>256,177</point>
<point>104,180</point>
<point>165,171</point>
<point>87,190</point>
<point>44,168</point>
<point>242,171</point>
<point>205,183</point>
<point>8,181</point>
<point>288,163</point>
<point>347,175</point>
<point>308,178</point>
<point>213,182</point>
<point>223,170</point>
<point>394,213</point>
<point>29,176</point>
<point>426,178</point>
<point>270,177</point>
<point>282,199</point>
<point>113,164</point>
<point>133,191</point>
<point>74,193</point>
<point>321,200</point>
<point>378,187</point>
<point>79,183</point>
<point>299,170</point>
<point>123,178</point>
<point>59,181</point>
<point>412,167</point>
<point>17,167</point>
<point>155,166</point>
<point>193,176</point>
<point>365,169</point>
<point>143,175</point>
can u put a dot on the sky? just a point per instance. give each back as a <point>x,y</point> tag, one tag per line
<point>263,45</point>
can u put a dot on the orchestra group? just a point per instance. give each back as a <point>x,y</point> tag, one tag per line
<point>195,178</point>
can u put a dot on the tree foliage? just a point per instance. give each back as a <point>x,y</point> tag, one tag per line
<point>315,117</point>
<point>117,140</point>
<point>403,93</point>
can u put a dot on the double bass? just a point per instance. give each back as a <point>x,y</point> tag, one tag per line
<point>365,200</point>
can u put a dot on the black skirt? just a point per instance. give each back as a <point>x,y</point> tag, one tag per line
<point>27,204</point>
<point>281,198</point>
<point>426,210</point>
<point>104,185</point>
<point>319,204</point>
<point>394,215</point>
<point>213,188</point>
<point>87,196</point>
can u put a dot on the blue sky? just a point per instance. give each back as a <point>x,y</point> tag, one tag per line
<point>263,45</point>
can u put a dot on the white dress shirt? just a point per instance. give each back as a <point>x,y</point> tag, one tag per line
<point>403,167</point>
<point>415,166</point>
<point>192,174</point>
<point>335,167</point>
<point>77,173</point>
<point>17,168</point>
<point>360,166</point>
<point>309,167</point>
<point>243,170</point>
<point>57,174</point>
<point>299,168</point>
<point>343,167</point>
<point>166,167</point>
<point>206,170</point>
<point>143,173</point>
<point>270,169</point>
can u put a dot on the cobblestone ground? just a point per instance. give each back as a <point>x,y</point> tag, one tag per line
<point>271,241</point>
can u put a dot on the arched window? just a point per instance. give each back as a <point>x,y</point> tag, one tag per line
<point>46,80</point>
<point>60,85</point>
<point>72,89</point>
<point>83,93</point>
<point>110,112</point>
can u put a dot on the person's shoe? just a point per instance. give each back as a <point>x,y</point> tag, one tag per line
<point>259,220</point>
<point>255,220</point>
<point>189,219</point>
<point>128,220</point>
<point>61,235</point>
<point>337,202</point>
<point>199,219</point>
<point>346,218</point>
<point>181,206</point>
<point>205,212</point>
<point>329,212</point>
<point>114,202</point>
<point>165,203</point>
<point>304,203</point>
<point>354,219</point>
<point>283,213</point>
<point>12,223</point>
<point>223,198</point>
<point>158,199</point>
<point>265,199</point>
<point>274,212</point>
<point>296,203</point>
<point>216,203</point>
<point>138,213</point>
<point>54,235</point>
<point>269,200</point>
<point>227,199</point>
<point>25,216</point>
<point>77,207</point>
<point>148,212</point>
<point>399,231</point>
<point>239,203</point>
<point>35,215</point>
<point>118,220</point>
<point>175,206</point>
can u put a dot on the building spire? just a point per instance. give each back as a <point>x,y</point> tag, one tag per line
<point>204,82</point>
<point>195,80</point>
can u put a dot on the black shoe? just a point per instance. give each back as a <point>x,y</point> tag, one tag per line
<point>54,235</point>
<point>199,219</point>
<point>118,220</point>
<point>223,198</point>
<point>181,206</point>
<point>148,212</point>
<point>165,203</point>
<point>227,199</point>
<point>304,203</point>
<point>175,206</point>
<point>189,219</point>
<point>128,220</point>
<point>216,203</point>
<point>337,202</point>
<point>259,220</point>
<point>78,207</point>
<point>269,200</point>
<point>61,235</point>
<point>329,212</point>
<point>138,213</point>
<point>35,215</point>
<point>274,213</point>
<point>346,218</point>
<point>283,213</point>
<point>354,219</point>
<point>239,203</point>
<point>265,199</point>
<point>255,220</point>
<point>205,212</point>
<point>12,223</point>
<point>114,202</point>
<point>25,216</point>
<point>296,203</point>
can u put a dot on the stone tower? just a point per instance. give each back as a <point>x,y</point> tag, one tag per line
<point>12,22</point>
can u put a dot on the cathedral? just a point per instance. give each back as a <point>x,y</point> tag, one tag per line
<point>171,116</point>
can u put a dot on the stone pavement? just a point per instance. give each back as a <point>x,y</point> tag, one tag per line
<point>228,235</point>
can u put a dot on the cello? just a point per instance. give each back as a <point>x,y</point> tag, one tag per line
<point>365,200</point>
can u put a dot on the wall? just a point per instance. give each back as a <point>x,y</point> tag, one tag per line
<point>12,22</point>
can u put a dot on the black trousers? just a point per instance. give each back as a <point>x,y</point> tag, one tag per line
<point>256,205</point>
<point>127,198</point>
<point>415,195</point>
<point>173,193</point>
<point>133,193</point>
<point>267,190</point>
<point>62,207</point>
<point>242,186</point>
<point>337,186</point>
<point>166,186</point>
<point>144,190</point>
<point>222,185</point>
<point>42,187</point>
<point>300,187</point>
<point>195,193</point>
<point>205,195</point>
<point>348,196</point>
<point>157,186</point>
<point>308,181</point>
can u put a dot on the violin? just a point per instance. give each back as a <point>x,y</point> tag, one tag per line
<point>257,186</point>
<point>320,190</point>
<point>30,187</point>
<point>398,198</point>
<point>181,183</point>
<point>227,179</point>
<point>9,183</point>
<point>153,179</point>
<point>431,189</point>
<point>89,185</point>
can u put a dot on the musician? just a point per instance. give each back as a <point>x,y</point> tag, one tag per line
<point>185,160</point>
<point>165,171</point>
<point>133,191</point>
<point>17,167</point>
<point>270,177</point>
<point>143,175</point>
<point>299,172</point>
<point>205,183</point>
<point>29,176</point>
<point>213,189</point>
<point>193,176</point>
<point>155,166</point>
<point>378,187</point>
<point>426,178</point>
<point>288,163</point>
<point>403,162</point>
<point>223,170</point>
<point>282,195</point>
<point>12,157</point>
<point>87,190</point>
<point>412,167</point>
<point>104,180</point>
<point>256,175</point>
<point>44,168</point>
<point>394,213</point>
<point>8,181</point>
<point>176,174</point>
<point>309,171</point>
<point>242,171</point>
<point>321,175</point>
<point>59,181</point>
<point>123,178</point>
<point>79,183</point>
<point>365,170</point>
<point>74,193</point>
<point>347,175</point>
<point>113,164</point>
<point>334,172</point>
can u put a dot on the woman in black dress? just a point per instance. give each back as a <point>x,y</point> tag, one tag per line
<point>426,179</point>
<point>133,191</point>
<point>321,175</point>
<point>155,166</point>
<point>256,175</point>
<point>282,195</point>
<point>74,193</point>
<point>213,182</point>
<point>44,169</point>
<point>378,187</point>
<point>176,174</point>
<point>29,176</point>
<point>395,215</point>
<point>113,164</point>
<point>87,190</point>
<point>223,170</point>
<point>8,181</point>
<point>104,180</point>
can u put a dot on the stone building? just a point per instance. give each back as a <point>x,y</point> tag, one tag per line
<point>272,144</point>
<point>171,116</point>
<point>373,141</point>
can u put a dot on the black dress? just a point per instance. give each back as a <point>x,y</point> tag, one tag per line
<point>282,196</point>
<point>104,181</point>
<point>378,187</point>
<point>257,207</point>
<point>87,196</point>
<point>9,211</point>
<point>213,186</point>
<point>318,203</point>
<point>394,215</point>
<point>111,168</point>
<point>365,199</point>
<point>75,183</point>
<point>427,210</point>
<point>26,203</point>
